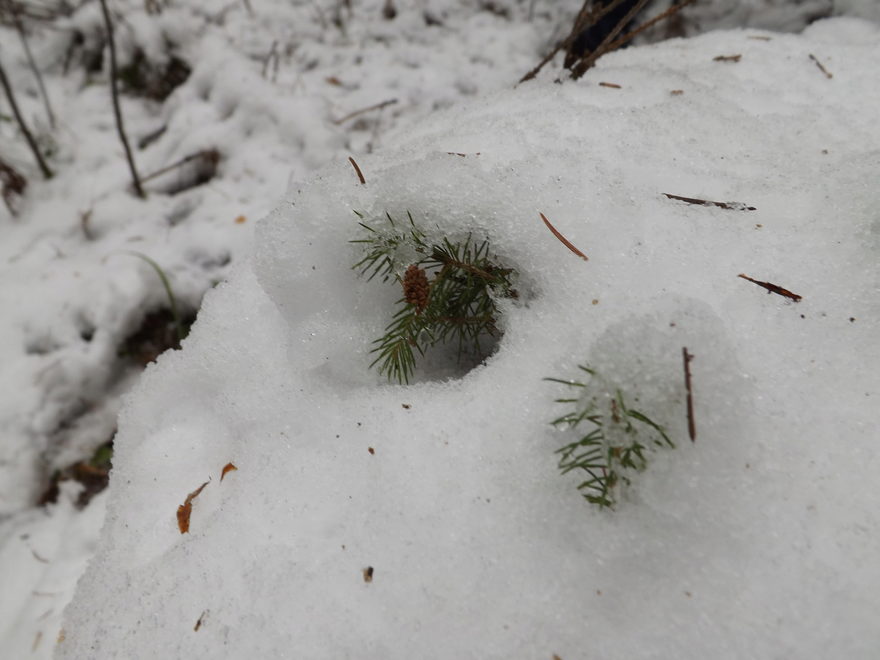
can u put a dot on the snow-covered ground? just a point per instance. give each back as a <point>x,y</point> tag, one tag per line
<point>759,540</point>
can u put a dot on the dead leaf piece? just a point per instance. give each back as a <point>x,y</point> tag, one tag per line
<point>368,574</point>
<point>730,206</point>
<point>185,510</point>
<point>229,467</point>
<point>772,288</point>
<point>727,58</point>
<point>333,80</point>
<point>371,450</point>
<point>611,85</point>
<point>562,238</point>
<point>677,92</point>
<point>240,220</point>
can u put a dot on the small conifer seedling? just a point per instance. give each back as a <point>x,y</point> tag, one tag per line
<point>451,289</point>
<point>617,441</point>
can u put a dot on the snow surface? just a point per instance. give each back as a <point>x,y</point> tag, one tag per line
<point>758,540</point>
<point>71,294</point>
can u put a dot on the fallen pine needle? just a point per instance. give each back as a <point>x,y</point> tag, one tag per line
<point>821,68</point>
<point>611,85</point>
<point>731,206</point>
<point>184,511</point>
<point>358,170</point>
<point>772,288</point>
<point>692,427</point>
<point>562,238</point>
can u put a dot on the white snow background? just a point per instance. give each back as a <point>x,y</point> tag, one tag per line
<point>758,540</point>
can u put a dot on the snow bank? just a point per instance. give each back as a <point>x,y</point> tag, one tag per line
<point>758,540</point>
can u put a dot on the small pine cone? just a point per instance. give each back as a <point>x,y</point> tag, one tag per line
<point>415,287</point>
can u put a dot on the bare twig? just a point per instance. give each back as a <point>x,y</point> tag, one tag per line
<point>4,81</point>
<point>727,58</point>
<point>11,184</point>
<point>649,24</point>
<point>206,154</point>
<point>692,427</point>
<point>13,9</point>
<point>115,94</point>
<point>352,115</point>
<point>562,238</point>
<point>730,206</point>
<point>581,67</point>
<point>772,288</point>
<point>821,68</point>
<point>358,170</point>
<point>273,52</point>
<point>585,18</point>
<point>608,84</point>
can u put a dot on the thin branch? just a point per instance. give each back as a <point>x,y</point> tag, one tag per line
<point>358,170</point>
<point>13,9</point>
<point>207,154</point>
<point>692,427</point>
<point>273,52</point>
<point>352,115</point>
<point>649,24</point>
<point>115,93</point>
<point>773,288</point>
<point>562,238</point>
<point>584,19</point>
<point>4,81</point>
<point>582,66</point>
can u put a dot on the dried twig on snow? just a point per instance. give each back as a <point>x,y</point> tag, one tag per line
<point>821,68</point>
<point>11,183</point>
<point>648,24</point>
<point>692,427</point>
<point>115,94</point>
<point>211,155</point>
<point>581,67</point>
<point>727,58</point>
<point>273,54</point>
<point>773,288</point>
<point>13,9</point>
<point>4,81</point>
<point>730,206</point>
<point>377,106</point>
<point>562,238</point>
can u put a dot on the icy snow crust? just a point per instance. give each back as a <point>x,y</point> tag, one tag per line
<point>759,540</point>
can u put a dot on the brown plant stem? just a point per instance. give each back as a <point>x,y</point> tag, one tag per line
<point>692,427</point>
<point>30,58</point>
<point>7,88</point>
<point>136,182</point>
<point>649,24</point>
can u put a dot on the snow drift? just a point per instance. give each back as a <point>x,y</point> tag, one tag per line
<point>758,540</point>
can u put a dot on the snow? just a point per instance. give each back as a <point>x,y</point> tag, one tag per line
<point>758,540</point>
